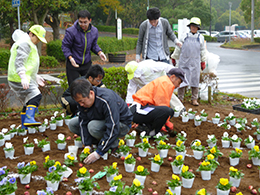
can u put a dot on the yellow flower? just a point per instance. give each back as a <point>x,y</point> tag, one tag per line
<point>238,150</point>
<point>185,168</point>
<point>47,158</point>
<point>114,165</point>
<point>140,168</point>
<point>70,157</point>
<point>223,181</point>
<point>145,140</point>
<point>121,142</point>
<point>233,169</point>
<point>179,157</point>
<point>83,170</point>
<point>162,142</point>
<point>205,163</point>
<point>86,151</point>
<point>33,162</point>
<point>256,148</point>
<point>129,156</point>
<point>175,177</point>
<point>157,157</point>
<point>118,177</point>
<point>198,143</point>
<point>240,193</point>
<point>202,192</point>
<point>179,142</point>
<point>213,150</point>
<point>57,163</point>
<point>136,182</point>
<point>210,157</point>
<point>169,191</point>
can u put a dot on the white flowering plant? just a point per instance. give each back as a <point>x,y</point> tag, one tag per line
<point>251,104</point>
<point>190,111</point>
<point>249,140</point>
<point>211,139</point>
<point>203,113</point>
<point>181,136</point>
<point>217,115</point>
<point>143,135</point>
<point>184,114</point>
<point>131,135</point>
<point>230,116</point>
<point>53,120</point>
<point>61,139</point>
<point>197,118</point>
<point>159,137</point>
<point>43,142</point>
<point>177,109</point>
<point>242,121</point>
<point>235,138</point>
<point>60,117</point>
<point>225,125</point>
<point>26,143</point>
<point>225,136</point>
<point>8,146</point>
<point>5,131</point>
<point>1,136</point>
<point>255,123</point>
<point>45,122</point>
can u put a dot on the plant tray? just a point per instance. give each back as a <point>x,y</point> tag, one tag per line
<point>239,108</point>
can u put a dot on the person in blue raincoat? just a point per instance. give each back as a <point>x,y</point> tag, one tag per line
<point>192,58</point>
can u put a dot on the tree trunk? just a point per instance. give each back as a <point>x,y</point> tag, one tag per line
<point>108,18</point>
<point>55,24</point>
<point>11,24</point>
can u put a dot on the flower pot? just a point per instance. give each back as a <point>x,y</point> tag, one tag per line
<point>176,169</point>
<point>233,161</point>
<point>211,145</point>
<point>197,154</point>
<point>54,185</point>
<point>187,183</point>
<point>155,167</point>
<point>205,175</point>
<point>25,179</point>
<point>204,118</point>
<point>85,192</point>
<point>124,155</point>
<point>110,178</point>
<point>31,130</point>
<point>62,146</point>
<point>78,143</point>
<point>7,137</point>
<point>13,134</point>
<point>130,142</point>
<point>225,143</point>
<point>42,128</point>
<point>105,156</point>
<point>23,133</point>
<point>197,123</point>
<point>2,142</point>
<point>73,149</point>
<point>59,123</point>
<point>9,154</point>
<point>181,153</point>
<point>232,122</point>
<point>251,145</point>
<point>176,190</point>
<point>140,178</point>
<point>129,167</point>
<point>176,114</point>
<point>163,153</point>
<point>215,120</point>
<point>191,116</point>
<point>46,147</point>
<point>28,150</point>
<point>255,161</point>
<point>11,193</point>
<point>117,57</point>
<point>236,144</point>
<point>53,126</point>
<point>185,119</point>
<point>67,121</point>
<point>235,182</point>
<point>142,153</point>
<point>221,192</point>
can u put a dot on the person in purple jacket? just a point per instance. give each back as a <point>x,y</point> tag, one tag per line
<point>79,40</point>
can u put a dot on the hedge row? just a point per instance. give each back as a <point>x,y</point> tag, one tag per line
<point>54,49</point>
<point>4,58</point>
<point>210,38</point>
<point>133,31</point>
<point>257,39</point>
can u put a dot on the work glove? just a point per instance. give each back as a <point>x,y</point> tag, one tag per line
<point>179,44</point>
<point>24,80</point>
<point>129,104</point>
<point>169,125</point>
<point>40,80</point>
<point>102,56</point>
<point>73,63</point>
<point>93,157</point>
<point>203,65</point>
<point>173,62</point>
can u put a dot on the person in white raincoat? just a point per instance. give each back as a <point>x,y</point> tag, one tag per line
<point>22,71</point>
<point>192,57</point>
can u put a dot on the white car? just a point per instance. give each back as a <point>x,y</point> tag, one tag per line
<point>214,33</point>
<point>204,32</point>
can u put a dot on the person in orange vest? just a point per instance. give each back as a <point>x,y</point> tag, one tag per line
<point>151,106</point>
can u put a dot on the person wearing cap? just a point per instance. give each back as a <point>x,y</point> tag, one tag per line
<point>142,73</point>
<point>192,58</point>
<point>153,37</point>
<point>151,102</point>
<point>23,67</point>
<point>78,42</point>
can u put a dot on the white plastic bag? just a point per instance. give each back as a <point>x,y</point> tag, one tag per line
<point>211,63</point>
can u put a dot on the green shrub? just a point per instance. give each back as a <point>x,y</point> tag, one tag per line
<point>4,58</point>
<point>131,31</point>
<point>48,61</point>
<point>209,38</point>
<point>116,80</point>
<point>54,49</point>
<point>257,39</point>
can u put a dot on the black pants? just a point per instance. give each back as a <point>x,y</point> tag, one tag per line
<point>74,73</point>
<point>155,119</point>
<point>34,101</point>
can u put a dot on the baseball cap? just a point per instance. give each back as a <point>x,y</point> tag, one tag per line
<point>130,68</point>
<point>178,73</point>
<point>39,31</point>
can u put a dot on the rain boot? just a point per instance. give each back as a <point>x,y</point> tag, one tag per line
<point>29,116</point>
<point>22,120</point>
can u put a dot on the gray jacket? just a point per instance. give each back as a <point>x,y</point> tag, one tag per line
<point>142,42</point>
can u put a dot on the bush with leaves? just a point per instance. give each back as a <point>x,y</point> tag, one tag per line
<point>4,58</point>
<point>54,49</point>
<point>48,62</point>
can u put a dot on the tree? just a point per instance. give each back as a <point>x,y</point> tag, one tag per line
<point>245,6</point>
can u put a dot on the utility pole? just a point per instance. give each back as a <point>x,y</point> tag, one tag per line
<point>147,4</point>
<point>252,21</point>
<point>210,19</point>
<point>230,4</point>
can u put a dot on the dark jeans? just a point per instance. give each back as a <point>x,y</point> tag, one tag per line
<point>74,73</point>
<point>155,119</point>
<point>159,60</point>
<point>34,101</point>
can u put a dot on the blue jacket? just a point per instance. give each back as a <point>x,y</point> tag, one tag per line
<point>110,107</point>
<point>78,43</point>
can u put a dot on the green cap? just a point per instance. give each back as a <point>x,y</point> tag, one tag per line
<point>130,68</point>
<point>39,31</point>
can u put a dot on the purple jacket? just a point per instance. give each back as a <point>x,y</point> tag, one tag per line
<point>78,43</point>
